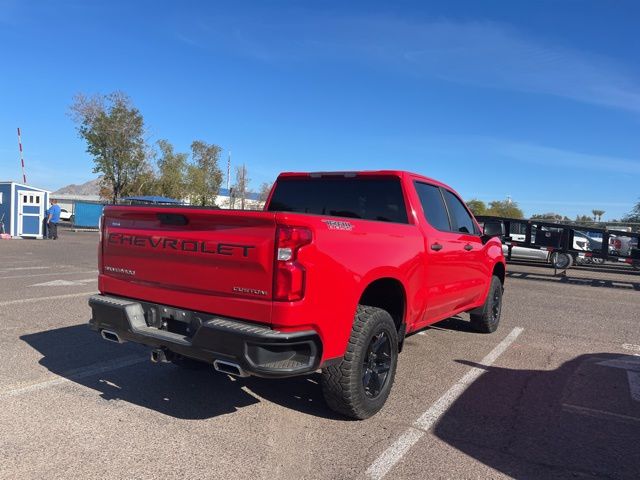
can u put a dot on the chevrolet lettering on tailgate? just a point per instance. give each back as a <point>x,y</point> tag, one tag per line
<point>196,246</point>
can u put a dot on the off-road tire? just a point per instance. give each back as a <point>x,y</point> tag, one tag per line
<point>343,384</point>
<point>486,318</point>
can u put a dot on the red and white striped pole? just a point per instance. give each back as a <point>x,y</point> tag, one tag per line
<point>24,175</point>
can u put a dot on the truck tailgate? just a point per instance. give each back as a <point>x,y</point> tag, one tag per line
<point>199,259</point>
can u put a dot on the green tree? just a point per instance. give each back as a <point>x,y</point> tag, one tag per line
<point>241,187</point>
<point>172,172</point>
<point>584,219</point>
<point>477,207</point>
<point>634,215</point>
<point>550,217</point>
<point>204,176</point>
<point>114,131</point>
<point>505,208</point>
<point>145,182</point>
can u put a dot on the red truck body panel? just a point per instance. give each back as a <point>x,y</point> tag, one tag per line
<point>194,266</point>
<point>222,262</point>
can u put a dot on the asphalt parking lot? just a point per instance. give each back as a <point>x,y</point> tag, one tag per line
<point>554,393</point>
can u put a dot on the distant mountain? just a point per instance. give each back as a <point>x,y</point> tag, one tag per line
<point>92,187</point>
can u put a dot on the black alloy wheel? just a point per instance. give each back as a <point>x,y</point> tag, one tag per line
<point>485,319</point>
<point>496,305</point>
<point>376,364</point>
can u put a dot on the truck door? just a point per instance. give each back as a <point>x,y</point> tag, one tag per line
<point>444,259</point>
<point>473,272</point>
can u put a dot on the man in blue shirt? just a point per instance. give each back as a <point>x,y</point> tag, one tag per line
<point>53,217</point>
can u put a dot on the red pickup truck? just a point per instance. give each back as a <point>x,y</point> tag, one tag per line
<point>332,275</point>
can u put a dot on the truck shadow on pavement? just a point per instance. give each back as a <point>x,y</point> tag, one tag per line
<point>569,280</point>
<point>578,421</point>
<point>81,356</point>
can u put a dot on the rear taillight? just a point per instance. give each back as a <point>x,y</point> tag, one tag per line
<point>100,235</point>
<point>289,278</point>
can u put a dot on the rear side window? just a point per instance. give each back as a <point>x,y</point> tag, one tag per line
<point>433,206</point>
<point>378,199</point>
<point>459,215</point>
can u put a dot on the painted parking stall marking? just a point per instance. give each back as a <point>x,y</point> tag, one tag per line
<point>64,283</point>
<point>50,274</point>
<point>632,367</point>
<point>13,269</point>
<point>392,455</point>
<point>41,299</point>
<point>78,374</point>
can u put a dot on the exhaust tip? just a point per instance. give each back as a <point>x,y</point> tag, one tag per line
<point>110,336</point>
<point>229,368</point>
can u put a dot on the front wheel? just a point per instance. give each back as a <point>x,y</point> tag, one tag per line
<point>359,385</point>
<point>561,261</point>
<point>486,318</point>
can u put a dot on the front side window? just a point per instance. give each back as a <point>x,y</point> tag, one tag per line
<point>459,215</point>
<point>433,206</point>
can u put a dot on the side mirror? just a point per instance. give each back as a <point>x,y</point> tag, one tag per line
<point>492,229</point>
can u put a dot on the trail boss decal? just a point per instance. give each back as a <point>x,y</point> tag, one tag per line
<point>338,225</point>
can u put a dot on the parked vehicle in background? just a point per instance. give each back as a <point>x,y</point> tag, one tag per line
<point>621,244</point>
<point>565,244</point>
<point>65,215</point>
<point>333,275</point>
<point>580,242</point>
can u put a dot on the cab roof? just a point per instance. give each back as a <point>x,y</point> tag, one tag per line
<point>365,173</point>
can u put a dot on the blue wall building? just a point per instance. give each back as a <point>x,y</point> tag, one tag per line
<point>22,209</point>
<point>87,214</point>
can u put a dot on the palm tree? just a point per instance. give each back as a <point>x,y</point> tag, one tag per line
<point>597,213</point>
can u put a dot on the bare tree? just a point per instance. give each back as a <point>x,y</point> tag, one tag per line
<point>265,189</point>
<point>240,188</point>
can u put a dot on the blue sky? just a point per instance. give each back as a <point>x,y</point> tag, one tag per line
<point>538,100</point>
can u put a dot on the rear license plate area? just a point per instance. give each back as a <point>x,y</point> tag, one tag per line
<point>170,319</point>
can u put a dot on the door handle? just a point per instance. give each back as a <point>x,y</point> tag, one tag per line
<point>436,246</point>
<point>468,247</point>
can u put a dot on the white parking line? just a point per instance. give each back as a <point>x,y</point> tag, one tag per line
<point>49,274</point>
<point>78,374</point>
<point>10,269</point>
<point>40,299</point>
<point>64,283</point>
<point>392,455</point>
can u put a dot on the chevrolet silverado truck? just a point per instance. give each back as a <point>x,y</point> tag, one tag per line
<point>331,276</point>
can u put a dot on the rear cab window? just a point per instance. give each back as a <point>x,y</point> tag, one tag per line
<point>368,198</point>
